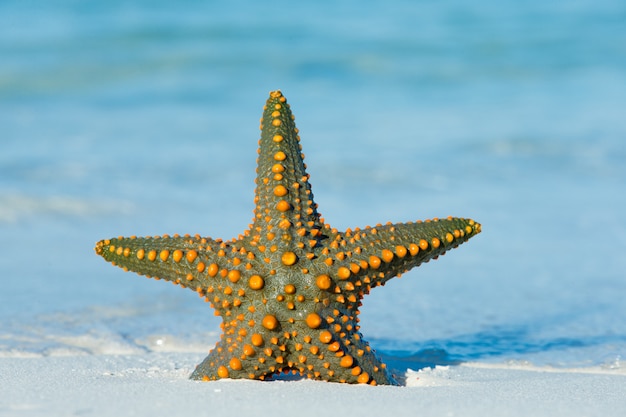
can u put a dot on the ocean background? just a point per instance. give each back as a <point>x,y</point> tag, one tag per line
<point>141,118</point>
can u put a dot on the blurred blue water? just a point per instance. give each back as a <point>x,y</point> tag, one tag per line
<point>141,118</point>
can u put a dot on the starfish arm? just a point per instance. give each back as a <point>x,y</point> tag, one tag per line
<point>284,206</point>
<point>380,253</point>
<point>191,262</point>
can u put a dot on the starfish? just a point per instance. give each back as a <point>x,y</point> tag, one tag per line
<point>289,288</point>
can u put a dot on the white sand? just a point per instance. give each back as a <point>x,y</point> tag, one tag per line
<point>156,384</point>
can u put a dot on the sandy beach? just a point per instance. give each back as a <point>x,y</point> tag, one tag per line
<point>156,384</point>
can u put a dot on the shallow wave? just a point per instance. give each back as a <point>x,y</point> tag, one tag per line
<point>100,331</point>
<point>17,207</point>
<point>32,342</point>
<point>143,329</point>
<point>499,347</point>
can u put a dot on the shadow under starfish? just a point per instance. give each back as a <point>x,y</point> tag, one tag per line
<point>289,288</point>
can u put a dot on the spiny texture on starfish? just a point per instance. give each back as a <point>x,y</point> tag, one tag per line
<point>289,289</point>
